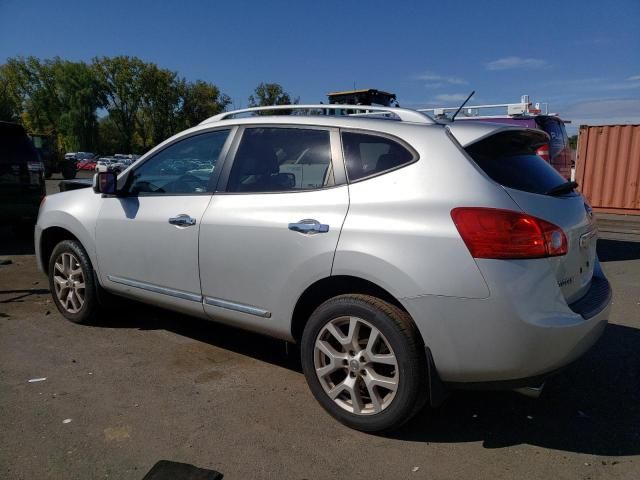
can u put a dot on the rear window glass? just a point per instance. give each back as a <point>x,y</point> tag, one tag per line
<point>557,133</point>
<point>509,159</point>
<point>367,155</point>
<point>15,146</point>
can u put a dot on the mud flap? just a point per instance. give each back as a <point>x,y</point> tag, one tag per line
<point>438,392</point>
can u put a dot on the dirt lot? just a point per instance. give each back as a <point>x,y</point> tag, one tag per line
<point>145,385</point>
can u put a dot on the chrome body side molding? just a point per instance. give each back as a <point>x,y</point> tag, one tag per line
<point>238,307</point>
<point>156,289</point>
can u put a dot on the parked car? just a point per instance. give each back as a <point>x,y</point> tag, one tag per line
<point>119,165</point>
<point>87,164</point>
<point>22,185</point>
<point>103,163</point>
<point>405,257</point>
<point>556,151</point>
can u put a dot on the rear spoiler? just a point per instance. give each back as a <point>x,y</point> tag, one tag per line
<point>468,133</point>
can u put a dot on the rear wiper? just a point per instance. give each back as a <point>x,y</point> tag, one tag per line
<point>563,188</point>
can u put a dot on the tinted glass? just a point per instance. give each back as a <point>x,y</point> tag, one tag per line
<point>557,132</point>
<point>280,160</point>
<point>509,159</point>
<point>367,155</point>
<point>16,151</point>
<point>184,167</point>
<point>15,146</point>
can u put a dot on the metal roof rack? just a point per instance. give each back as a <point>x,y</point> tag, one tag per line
<point>402,114</point>
<point>523,109</point>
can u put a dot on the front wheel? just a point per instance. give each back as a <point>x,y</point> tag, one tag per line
<point>72,283</point>
<point>365,363</point>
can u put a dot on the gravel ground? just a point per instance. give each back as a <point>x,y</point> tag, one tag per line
<point>142,385</point>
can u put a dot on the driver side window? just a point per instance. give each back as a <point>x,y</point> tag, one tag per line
<point>185,167</point>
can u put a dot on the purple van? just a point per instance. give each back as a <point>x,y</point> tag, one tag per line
<point>557,152</point>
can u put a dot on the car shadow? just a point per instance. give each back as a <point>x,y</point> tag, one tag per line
<point>146,317</point>
<point>20,295</point>
<point>591,407</point>
<point>617,250</point>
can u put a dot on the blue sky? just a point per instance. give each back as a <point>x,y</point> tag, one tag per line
<point>581,56</point>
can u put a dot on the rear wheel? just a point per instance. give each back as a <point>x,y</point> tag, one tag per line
<point>365,363</point>
<point>72,282</point>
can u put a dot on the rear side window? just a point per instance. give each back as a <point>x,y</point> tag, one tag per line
<point>281,160</point>
<point>367,155</point>
<point>509,159</point>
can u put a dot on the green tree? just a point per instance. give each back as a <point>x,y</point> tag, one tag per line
<point>35,92</point>
<point>268,94</point>
<point>121,79</point>
<point>159,111</point>
<point>200,100</point>
<point>573,141</point>
<point>109,139</point>
<point>80,94</point>
<point>144,103</point>
<point>10,105</point>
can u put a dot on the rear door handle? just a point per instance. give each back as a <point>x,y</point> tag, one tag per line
<point>182,220</point>
<point>309,226</point>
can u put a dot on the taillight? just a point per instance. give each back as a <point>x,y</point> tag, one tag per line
<point>543,152</point>
<point>504,234</point>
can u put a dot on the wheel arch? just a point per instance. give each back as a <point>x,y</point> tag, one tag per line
<point>329,287</point>
<point>49,238</point>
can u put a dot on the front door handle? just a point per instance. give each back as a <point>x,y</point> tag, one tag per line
<point>309,226</point>
<point>182,220</point>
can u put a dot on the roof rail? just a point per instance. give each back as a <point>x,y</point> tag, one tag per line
<point>403,114</point>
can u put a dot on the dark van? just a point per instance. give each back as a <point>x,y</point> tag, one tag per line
<point>22,185</point>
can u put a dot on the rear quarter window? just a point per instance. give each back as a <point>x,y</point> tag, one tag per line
<point>509,159</point>
<point>367,155</point>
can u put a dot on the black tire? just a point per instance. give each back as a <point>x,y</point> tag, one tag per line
<point>90,306</point>
<point>405,341</point>
<point>69,171</point>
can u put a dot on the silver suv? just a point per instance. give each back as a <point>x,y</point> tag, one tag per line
<point>406,257</point>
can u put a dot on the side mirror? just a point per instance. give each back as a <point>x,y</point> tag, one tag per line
<point>105,182</point>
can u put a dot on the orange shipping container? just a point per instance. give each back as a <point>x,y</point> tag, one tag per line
<point>608,167</point>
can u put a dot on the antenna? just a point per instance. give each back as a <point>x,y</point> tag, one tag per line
<point>463,104</point>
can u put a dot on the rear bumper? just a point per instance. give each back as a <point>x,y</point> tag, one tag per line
<point>525,330</point>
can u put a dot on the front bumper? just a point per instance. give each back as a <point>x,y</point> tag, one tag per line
<point>524,330</point>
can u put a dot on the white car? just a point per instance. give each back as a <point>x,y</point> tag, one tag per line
<point>103,164</point>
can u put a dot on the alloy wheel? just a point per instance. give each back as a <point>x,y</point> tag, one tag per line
<point>68,281</point>
<point>356,365</point>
